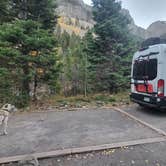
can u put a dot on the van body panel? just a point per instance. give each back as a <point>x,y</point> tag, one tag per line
<point>148,67</point>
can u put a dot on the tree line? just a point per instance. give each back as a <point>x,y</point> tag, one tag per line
<point>34,53</point>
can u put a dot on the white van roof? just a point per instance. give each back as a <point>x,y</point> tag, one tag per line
<point>151,49</point>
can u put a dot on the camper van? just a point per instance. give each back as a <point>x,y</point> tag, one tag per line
<point>148,76</point>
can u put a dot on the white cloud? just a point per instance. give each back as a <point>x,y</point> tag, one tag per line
<point>89,2</point>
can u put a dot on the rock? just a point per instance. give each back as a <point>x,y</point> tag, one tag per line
<point>114,105</point>
<point>58,160</point>
<point>133,162</point>
<point>127,103</point>
<point>156,29</point>
<point>100,103</point>
<point>77,105</point>
<point>66,106</point>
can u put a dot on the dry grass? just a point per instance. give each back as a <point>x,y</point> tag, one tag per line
<point>80,101</point>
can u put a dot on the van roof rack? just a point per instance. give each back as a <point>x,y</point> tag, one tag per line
<point>152,41</point>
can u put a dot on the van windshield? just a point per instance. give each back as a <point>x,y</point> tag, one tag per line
<point>145,69</point>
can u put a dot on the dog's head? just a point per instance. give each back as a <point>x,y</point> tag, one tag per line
<point>9,108</point>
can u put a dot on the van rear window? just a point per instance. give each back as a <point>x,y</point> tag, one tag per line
<point>145,69</point>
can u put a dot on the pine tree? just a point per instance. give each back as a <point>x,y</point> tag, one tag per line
<point>4,11</point>
<point>42,11</point>
<point>110,43</point>
<point>88,47</point>
<point>27,47</point>
<point>29,51</point>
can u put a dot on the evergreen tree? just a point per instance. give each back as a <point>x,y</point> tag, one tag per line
<point>27,51</point>
<point>4,11</point>
<point>109,44</point>
<point>27,47</point>
<point>89,47</point>
<point>73,60</point>
<point>42,11</point>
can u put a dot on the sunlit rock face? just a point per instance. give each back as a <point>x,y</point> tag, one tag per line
<point>76,9</point>
<point>75,16</point>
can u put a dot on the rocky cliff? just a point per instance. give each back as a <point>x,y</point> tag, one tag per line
<point>156,29</point>
<point>136,30</point>
<point>75,16</point>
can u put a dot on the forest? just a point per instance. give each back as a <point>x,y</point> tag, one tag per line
<point>39,61</point>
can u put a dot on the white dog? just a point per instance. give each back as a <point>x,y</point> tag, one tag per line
<point>4,116</point>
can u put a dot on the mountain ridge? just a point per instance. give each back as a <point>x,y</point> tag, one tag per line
<point>76,17</point>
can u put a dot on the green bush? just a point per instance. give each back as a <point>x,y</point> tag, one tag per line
<point>21,101</point>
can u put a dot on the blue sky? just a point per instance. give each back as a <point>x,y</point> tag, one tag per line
<point>144,12</point>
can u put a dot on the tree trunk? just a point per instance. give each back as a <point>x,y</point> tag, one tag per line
<point>25,83</point>
<point>35,88</point>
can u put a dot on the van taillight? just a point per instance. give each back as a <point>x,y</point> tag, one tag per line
<point>160,88</point>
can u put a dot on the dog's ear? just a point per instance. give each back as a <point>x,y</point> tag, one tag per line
<point>6,105</point>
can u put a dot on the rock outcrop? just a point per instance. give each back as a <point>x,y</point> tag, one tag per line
<point>75,9</point>
<point>136,30</point>
<point>75,16</point>
<point>156,29</point>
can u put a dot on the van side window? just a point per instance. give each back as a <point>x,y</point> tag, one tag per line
<point>145,69</point>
